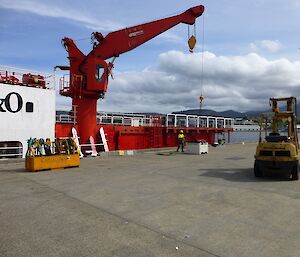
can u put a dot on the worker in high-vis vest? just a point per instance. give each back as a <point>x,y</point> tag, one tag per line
<point>181,141</point>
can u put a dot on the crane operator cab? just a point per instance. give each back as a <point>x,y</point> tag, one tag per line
<point>97,71</point>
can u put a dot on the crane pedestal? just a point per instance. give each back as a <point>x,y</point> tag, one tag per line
<point>86,109</point>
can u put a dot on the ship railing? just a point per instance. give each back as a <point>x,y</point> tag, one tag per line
<point>11,152</point>
<point>195,121</point>
<point>128,120</point>
<point>66,118</point>
<point>14,76</point>
<point>170,120</point>
<point>64,83</point>
<point>114,119</point>
<point>124,121</point>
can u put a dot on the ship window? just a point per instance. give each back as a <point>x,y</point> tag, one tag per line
<point>99,72</point>
<point>29,107</point>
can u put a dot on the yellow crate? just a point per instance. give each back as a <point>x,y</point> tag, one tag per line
<point>36,163</point>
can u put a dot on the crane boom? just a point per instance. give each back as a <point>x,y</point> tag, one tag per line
<point>89,74</point>
<point>124,40</point>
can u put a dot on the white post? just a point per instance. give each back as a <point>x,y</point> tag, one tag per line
<point>103,138</point>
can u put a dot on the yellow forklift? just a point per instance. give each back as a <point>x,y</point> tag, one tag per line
<point>279,152</point>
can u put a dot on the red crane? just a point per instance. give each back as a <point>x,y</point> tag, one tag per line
<point>89,74</point>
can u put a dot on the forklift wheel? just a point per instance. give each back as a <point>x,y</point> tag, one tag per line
<point>295,172</point>
<point>257,172</point>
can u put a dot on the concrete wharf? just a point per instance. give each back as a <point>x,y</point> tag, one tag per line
<point>153,203</point>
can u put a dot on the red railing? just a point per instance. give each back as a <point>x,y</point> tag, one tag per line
<point>15,76</point>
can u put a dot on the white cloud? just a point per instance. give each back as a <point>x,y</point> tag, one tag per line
<point>269,45</point>
<point>55,11</point>
<point>230,82</point>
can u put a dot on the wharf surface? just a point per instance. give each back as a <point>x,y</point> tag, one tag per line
<point>150,205</point>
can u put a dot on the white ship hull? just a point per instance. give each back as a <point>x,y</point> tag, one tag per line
<point>25,112</point>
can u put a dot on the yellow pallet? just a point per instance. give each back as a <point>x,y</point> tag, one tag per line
<point>37,163</point>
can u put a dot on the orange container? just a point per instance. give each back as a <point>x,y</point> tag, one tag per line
<point>37,163</point>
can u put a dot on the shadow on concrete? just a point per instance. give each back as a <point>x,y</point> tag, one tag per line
<point>20,170</point>
<point>12,170</point>
<point>170,153</point>
<point>243,175</point>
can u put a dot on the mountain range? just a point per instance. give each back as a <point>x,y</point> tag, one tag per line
<point>228,113</point>
<point>208,112</point>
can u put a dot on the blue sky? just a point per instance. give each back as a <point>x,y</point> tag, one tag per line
<point>251,50</point>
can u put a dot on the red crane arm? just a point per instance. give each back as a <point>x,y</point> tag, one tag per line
<point>124,40</point>
<point>89,74</point>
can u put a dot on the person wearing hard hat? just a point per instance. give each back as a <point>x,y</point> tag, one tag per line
<point>180,141</point>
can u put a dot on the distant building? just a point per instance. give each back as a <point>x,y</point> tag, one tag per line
<point>243,124</point>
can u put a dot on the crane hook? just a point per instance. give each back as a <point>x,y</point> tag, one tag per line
<point>201,98</point>
<point>192,39</point>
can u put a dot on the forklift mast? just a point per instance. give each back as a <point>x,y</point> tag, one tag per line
<point>289,115</point>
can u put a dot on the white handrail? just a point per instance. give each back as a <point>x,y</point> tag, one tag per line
<point>11,154</point>
<point>171,120</point>
<point>3,152</point>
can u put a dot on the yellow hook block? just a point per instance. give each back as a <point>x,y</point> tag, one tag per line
<point>192,43</point>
